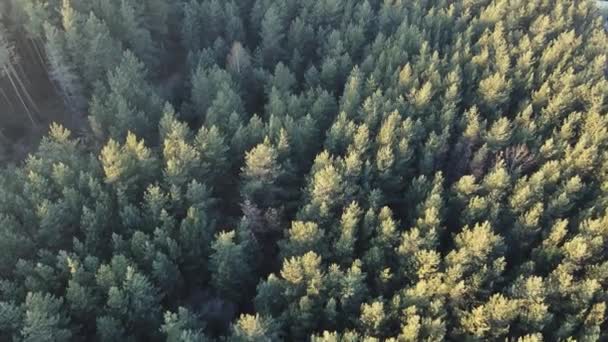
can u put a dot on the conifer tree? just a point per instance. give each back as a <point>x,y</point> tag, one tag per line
<point>261,174</point>
<point>182,326</point>
<point>254,328</point>
<point>62,71</point>
<point>129,103</point>
<point>230,268</point>
<point>272,34</point>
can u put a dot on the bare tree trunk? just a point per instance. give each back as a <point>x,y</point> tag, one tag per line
<point>22,71</point>
<point>39,54</point>
<point>25,91</point>
<point>27,109</point>
<point>8,100</point>
<point>34,45</point>
<point>46,68</point>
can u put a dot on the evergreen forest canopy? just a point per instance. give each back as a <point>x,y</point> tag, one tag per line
<point>323,170</point>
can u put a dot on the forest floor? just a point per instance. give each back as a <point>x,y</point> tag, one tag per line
<point>19,135</point>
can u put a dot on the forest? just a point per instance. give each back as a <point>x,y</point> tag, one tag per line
<point>303,170</point>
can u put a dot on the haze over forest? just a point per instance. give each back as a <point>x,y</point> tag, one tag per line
<point>303,170</point>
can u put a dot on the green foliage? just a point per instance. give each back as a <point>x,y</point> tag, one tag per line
<point>183,326</point>
<point>261,175</point>
<point>254,328</point>
<point>393,170</point>
<point>44,320</point>
<point>303,237</point>
<point>231,274</point>
<point>272,34</point>
<point>129,103</point>
<point>129,166</point>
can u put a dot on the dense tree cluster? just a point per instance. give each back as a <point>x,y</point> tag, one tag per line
<point>324,170</point>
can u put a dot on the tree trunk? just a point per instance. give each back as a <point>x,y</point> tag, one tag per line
<point>25,91</point>
<point>36,44</point>
<point>8,100</point>
<point>38,53</point>
<point>27,110</point>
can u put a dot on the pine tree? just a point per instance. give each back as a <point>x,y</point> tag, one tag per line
<point>130,166</point>
<point>230,268</point>
<point>272,35</point>
<point>327,184</point>
<point>215,160</point>
<point>62,72</point>
<point>348,233</point>
<point>492,319</point>
<point>181,159</point>
<point>352,99</point>
<point>132,304</point>
<point>43,320</point>
<point>136,35</point>
<point>128,104</point>
<point>254,328</point>
<point>261,174</point>
<point>301,238</point>
<point>373,318</point>
<point>102,51</point>
<point>10,319</point>
<point>183,326</point>
<point>304,282</point>
<point>191,25</point>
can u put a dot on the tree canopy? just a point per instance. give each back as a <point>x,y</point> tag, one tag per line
<point>313,170</point>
